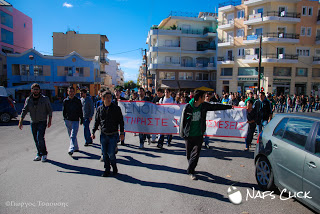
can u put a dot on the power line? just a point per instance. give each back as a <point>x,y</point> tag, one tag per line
<point>125,52</point>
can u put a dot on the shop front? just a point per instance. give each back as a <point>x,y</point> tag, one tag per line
<point>247,84</point>
<point>300,88</point>
<point>315,88</point>
<point>281,86</point>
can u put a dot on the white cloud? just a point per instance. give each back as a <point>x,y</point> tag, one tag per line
<point>67,5</point>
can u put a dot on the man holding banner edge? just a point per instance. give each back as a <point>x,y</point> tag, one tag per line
<point>193,126</point>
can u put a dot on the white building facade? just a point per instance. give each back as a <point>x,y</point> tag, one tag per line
<point>114,70</point>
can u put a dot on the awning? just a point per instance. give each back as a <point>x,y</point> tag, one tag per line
<point>172,84</point>
<point>204,88</point>
<point>194,84</point>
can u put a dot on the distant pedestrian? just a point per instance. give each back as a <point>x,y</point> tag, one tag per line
<point>88,111</point>
<point>193,126</point>
<point>72,114</point>
<point>109,118</point>
<point>251,120</point>
<point>40,108</point>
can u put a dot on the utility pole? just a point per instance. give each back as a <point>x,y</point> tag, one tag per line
<point>146,61</point>
<point>259,69</point>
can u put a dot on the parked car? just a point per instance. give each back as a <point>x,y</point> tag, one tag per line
<point>7,109</point>
<point>287,156</point>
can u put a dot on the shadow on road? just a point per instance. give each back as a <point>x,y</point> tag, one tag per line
<point>173,187</point>
<point>15,123</point>
<point>89,156</point>
<point>76,169</point>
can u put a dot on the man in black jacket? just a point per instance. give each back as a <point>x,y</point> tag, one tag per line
<point>72,113</point>
<point>109,118</point>
<point>193,126</point>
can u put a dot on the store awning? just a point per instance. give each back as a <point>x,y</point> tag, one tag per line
<point>172,84</point>
<point>203,88</point>
<point>194,84</point>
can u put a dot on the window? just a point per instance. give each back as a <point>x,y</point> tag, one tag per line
<point>214,76</point>
<point>259,31</point>
<point>282,71</point>
<point>226,72</point>
<point>185,75</point>
<point>310,11</point>
<point>38,70</point>
<point>279,130</point>
<point>6,36</point>
<point>202,76</point>
<point>6,19</point>
<point>302,72</point>
<point>297,131</point>
<point>315,72</point>
<point>241,52</point>
<point>304,11</point>
<point>24,70</point>
<point>317,52</point>
<point>167,75</point>
<point>240,33</point>
<point>68,70</point>
<point>168,43</point>
<point>240,14</point>
<point>168,59</point>
<point>309,30</point>
<point>249,71</point>
<point>303,51</point>
<point>79,72</point>
<point>303,31</point>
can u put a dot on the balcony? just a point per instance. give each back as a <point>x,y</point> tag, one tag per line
<point>178,31</point>
<point>206,48</point>
<point>226,25</point>
<point>272,37</point>
<point>270,58</point>
<point>28,78</point>
<point>104,60</point>
<point>228,6</point>
<point>186,66</point>
<point>272,16</point>
<point>167,49</point>
<point>316,61</point>
<point>225,42</point>
<point>76,79</point>
<point>221,60</point>
<point>250,3</point>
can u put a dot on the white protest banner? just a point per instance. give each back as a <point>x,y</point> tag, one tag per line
<point>150,118</point>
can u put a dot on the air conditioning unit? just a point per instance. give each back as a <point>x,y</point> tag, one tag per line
<point>280,56</point>
<point>280,35</point>
<point>249,27</point>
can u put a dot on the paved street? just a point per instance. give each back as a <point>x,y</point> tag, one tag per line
<point>150,180</point>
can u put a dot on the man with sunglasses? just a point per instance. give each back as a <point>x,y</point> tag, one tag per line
<point>40,108</point>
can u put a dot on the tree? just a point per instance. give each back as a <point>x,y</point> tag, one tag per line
<point>130,85</point>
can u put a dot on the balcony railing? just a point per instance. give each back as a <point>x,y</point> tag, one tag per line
<point>275,13</point>
<point>280,56</point>
<point>188,31</point>
<point>233,3</point>
<point>225,40</point>
<point>275,35</point>
<point>316,58</point>
<point>204,47</point>
<point>225,22</point>
<point>222,58</point>
<point>30,78</point>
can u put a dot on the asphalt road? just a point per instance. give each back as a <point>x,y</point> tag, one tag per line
<point>150,180</point>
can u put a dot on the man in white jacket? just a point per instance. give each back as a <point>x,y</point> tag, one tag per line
<point>166,99</point>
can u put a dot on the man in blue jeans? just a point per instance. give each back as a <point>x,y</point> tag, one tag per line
<point>109,118</point>
<point>40,108</point>
<point>263,109</point>
<point>72,113</point>
<point>88,111</point>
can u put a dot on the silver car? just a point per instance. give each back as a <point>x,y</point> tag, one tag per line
<point>287,156</point>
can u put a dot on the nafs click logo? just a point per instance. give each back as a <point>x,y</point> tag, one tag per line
<point>234,195</point>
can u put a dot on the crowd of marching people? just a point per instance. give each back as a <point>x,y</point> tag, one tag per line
<point>108,118</point>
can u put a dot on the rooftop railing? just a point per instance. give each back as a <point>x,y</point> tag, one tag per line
<point>227,3</point>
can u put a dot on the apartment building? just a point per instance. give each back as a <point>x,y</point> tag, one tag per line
<point>182,51</point>
<point>54,74</point>
<point>114,70</point>
<point>91,46</point>
<point>15,34</point>
<point>290,53</point>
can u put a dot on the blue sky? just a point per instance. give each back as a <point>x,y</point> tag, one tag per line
<point>125,22</point>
